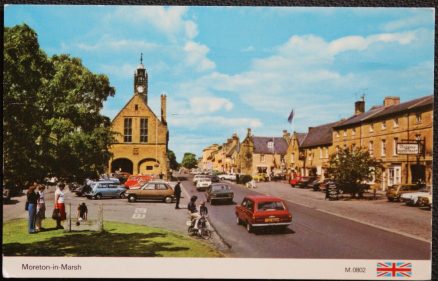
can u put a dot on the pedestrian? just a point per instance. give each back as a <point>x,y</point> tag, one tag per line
<point>60,205</point>
<point>31,205</point>
<point>177,194</point>
<point>41,208</point>
<point>82,213</point>
<point>161,175</point>
<point>203,211</point>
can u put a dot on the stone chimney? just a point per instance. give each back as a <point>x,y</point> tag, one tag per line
<point>388,101</point>
<point>163,110</point>
<point>286,135</point>
<point>248,132</point>
<point>359,107</point>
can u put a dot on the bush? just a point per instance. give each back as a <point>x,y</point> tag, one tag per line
<point>243,179</point>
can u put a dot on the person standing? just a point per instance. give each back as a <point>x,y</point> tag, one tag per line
<point>41,208</point>
<point>177,194</point>
<point>60,205</point>
<point>32,200</point>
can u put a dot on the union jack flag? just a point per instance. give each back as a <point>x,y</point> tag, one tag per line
<point>394,269</point>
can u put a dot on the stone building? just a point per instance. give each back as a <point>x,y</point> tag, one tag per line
<point>207,161</point>
<point>315,150</point>
<point>292,158</point>
<point>388,131</point>
<point>142,138</point>
<point>262,155</point>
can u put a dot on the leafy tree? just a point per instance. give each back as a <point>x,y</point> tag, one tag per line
<point>351,168</point>
<point>174,165</point>
<point>189,160</point>
<point>52,122</point>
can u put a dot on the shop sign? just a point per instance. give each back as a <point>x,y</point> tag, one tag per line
<point>408,148</point>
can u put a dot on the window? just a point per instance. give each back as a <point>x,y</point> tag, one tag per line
<point>149,168</point>
<point>395,122</point>
<point>371,148</point>
<point>262,158</point>
<point>383,125</point>
<point>353,132</point>
<point>418,118</point>
<point>127,131</point>
<point>394,149</point>
<point>371,128</point>
<point>383,152</point>
<point>270,145</point>
<point>136,107</point>
<point>143,130</point>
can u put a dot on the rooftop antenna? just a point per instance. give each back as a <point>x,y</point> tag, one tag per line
<point>363,97</point>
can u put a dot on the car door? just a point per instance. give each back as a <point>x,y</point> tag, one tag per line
<point>147,191</point>
<point>102,188</point>
<point>112,190</point>
<point>161,191</point>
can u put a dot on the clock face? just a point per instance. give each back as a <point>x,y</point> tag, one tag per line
<point>140,89</point>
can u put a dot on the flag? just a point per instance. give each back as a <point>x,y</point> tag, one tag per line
<point>394,269</point>
<point>291,116</point>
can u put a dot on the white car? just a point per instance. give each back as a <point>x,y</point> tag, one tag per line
<point>203,184</point>
<point>411,198</point>
<point>231,177</point>
<point>197,177</point>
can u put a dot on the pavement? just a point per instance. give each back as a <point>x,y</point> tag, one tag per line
<point>392,216</point>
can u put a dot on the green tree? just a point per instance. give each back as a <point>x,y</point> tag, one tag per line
<point>351,168</point>
<point>52,122</point>
<point>189,160</point>
<point>174,165</point>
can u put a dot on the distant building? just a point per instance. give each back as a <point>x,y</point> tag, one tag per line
<point>385,128</point>
<point>262,155</point>
<point>293,158</point>
<point>142,138</point>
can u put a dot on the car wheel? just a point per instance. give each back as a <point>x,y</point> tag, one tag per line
<point>238,220</point>
<point>206,233</point>
<point>122,195</point>
<point>168,199</point>
<point>98,196</point>
<point>190,230</point>
<point>390,199</point>
<point>131,198</point>
<point>249,227</point>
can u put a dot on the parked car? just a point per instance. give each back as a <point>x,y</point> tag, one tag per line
<point>411,198</point>
<point>153,190</point>
<point>425,201</point>
<point>315,185</point>
<point>214,178</point>
<point>260,177</point>
<point>231,177</point>
<point>137,179</point>
<point>203,184</point>
<point>262,211</point>
<point>219,192</point>
<point>394,192</point>
<point>304,181</point>
<point>294,181</point>
<point>197,177</point>
<point>106,189</point>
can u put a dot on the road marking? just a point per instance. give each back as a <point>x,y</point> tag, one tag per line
<point>140,213</point>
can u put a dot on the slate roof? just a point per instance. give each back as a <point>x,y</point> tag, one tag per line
<point>301,137</point>
<point>381,111</point>
<point>321,135</point>
<point>261,145</point>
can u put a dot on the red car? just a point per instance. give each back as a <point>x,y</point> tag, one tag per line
<point>263,211</point>
<point>137,180</point>
<point>293,182</point>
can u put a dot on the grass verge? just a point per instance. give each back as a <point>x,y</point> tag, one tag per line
<point>118,240</point>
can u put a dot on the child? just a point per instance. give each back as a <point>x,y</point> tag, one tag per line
<point>203,211</point>
<point>82,213</point>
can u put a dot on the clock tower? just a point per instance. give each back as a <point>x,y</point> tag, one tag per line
<point>141,80</point>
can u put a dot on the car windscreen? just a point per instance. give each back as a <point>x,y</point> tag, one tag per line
<point>270,206</point>
<point>219,187</point>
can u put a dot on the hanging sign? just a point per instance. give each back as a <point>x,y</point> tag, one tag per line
<point>408,148</point>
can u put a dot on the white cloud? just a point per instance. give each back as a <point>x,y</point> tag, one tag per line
<point>208,105</point>
<point>120,71</point>
<point>248,49</point>
<point>420,19</point>
<point>215,121</point>
<point>196,56</point>
<point>118,44</point>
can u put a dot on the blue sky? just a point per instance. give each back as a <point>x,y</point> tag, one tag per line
<point>226,69</point>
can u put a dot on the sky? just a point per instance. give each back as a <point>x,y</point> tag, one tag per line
<point>226,69</point>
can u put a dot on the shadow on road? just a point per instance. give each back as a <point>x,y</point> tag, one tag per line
<point>88,244</point>
<point>273,231</point>
<point>11,202</point>
<point>221,203</point>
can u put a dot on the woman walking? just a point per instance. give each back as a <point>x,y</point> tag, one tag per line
<point>41,208</point>
<point>59,205</point>
<point>32,199</point>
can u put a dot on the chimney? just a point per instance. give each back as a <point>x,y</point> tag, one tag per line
<point>249,132</point>
<point>359,107</point>
<point>388,101</point>
<point>163,110</point>
<point>286,135</point>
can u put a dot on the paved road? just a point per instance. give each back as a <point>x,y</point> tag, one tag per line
<point>313,234</point>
